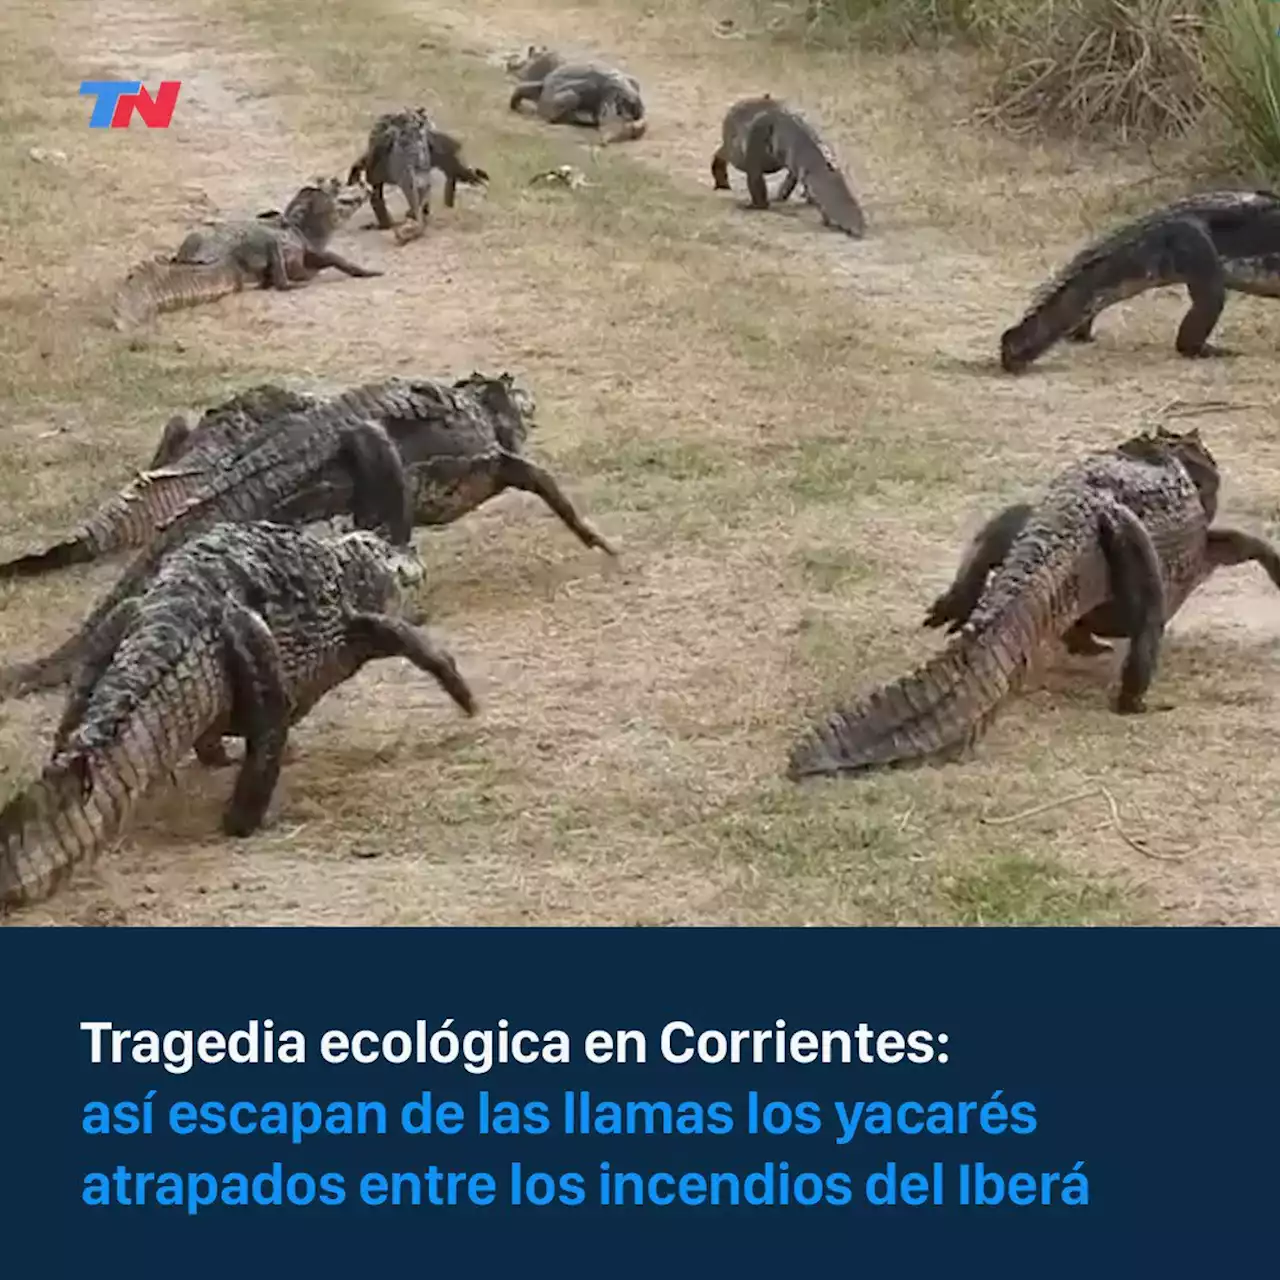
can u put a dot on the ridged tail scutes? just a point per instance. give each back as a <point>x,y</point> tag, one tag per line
<point>934,714</point>
<point>153,288</point>
<point>837,203</point>
<point>45,831</point>
<point>826,185</point>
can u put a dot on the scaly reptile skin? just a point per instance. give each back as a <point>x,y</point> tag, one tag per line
<point>182,459</point>
<point>240,633</point>
<point>1117,542</point>
<point>1212,243</point>
<point>278,250</point>
<point>276,462</point>
<point>461,444</point>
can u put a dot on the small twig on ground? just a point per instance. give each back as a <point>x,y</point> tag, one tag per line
<point>1011,818</point>
<point>1179,408</point>
<point>1113,822</point>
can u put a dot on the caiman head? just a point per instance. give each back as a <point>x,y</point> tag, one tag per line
<point>323,205</point>
<point>1188,449</point>
<point>515,63</point>
<point>508,403</point>
<point>377,576</point>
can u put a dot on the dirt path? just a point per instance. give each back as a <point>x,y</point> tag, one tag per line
<point>789,434</point>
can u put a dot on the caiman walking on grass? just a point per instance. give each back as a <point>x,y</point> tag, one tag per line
<point>461,443</point>
<point>402,150</point>
<point>1114,548</point>
<point>240,633</point>
<point>764,135</point>
<point>583,92</point>
<point>270,468</point>
<point>1212,244</point>
<point>274,250</point>
<point>184,457</point>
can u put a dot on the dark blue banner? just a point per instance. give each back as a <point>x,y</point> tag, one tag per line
<point>639,1102</point>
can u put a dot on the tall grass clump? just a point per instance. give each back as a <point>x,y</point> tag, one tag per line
<point>1118,69</point>
<point>1244,77</point>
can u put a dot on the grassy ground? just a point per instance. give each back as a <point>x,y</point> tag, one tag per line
<point>790,435</point>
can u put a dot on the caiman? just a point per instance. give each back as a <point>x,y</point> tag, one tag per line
<point>1113,548</point>
<point>1213,243</point>
<point>462,443</point>
<point>275,250</point>
<point>240,633</point>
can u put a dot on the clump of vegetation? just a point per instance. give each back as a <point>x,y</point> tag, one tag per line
<point>1114,69</point>
<point>1117,68</point>
<point>1244,77</point>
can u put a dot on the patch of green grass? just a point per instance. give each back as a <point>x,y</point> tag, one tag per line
<point>1018,889</point>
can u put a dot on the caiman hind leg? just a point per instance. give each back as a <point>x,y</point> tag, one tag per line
<point>382,636</point>
<point>1137,599</point>
<point>516,472</point>
<point>562,106</point>
<point>1190,253</point>
<point>260,714</point>
<point>173,439</point>
<point>986,551</point>
<point>378,203</point>
<point>99,651</point>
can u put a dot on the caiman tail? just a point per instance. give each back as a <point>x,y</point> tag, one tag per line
<point>125,521</point>
<point>824,182</point>
<point>154,287</point>
<point>936,713</point>
<point>79,805</point>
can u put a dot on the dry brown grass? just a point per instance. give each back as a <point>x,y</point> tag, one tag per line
<point>790,435</point>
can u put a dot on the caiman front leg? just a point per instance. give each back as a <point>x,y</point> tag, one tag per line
<point>317,259</point>
<point>260,713</point>
<point>1083,332</point>
<point>518,472</point>
<point>1137,596</point>
<point>386,637</point>
<point>1228,547</point>
<point>278,269</point>
<point>417,197</point>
